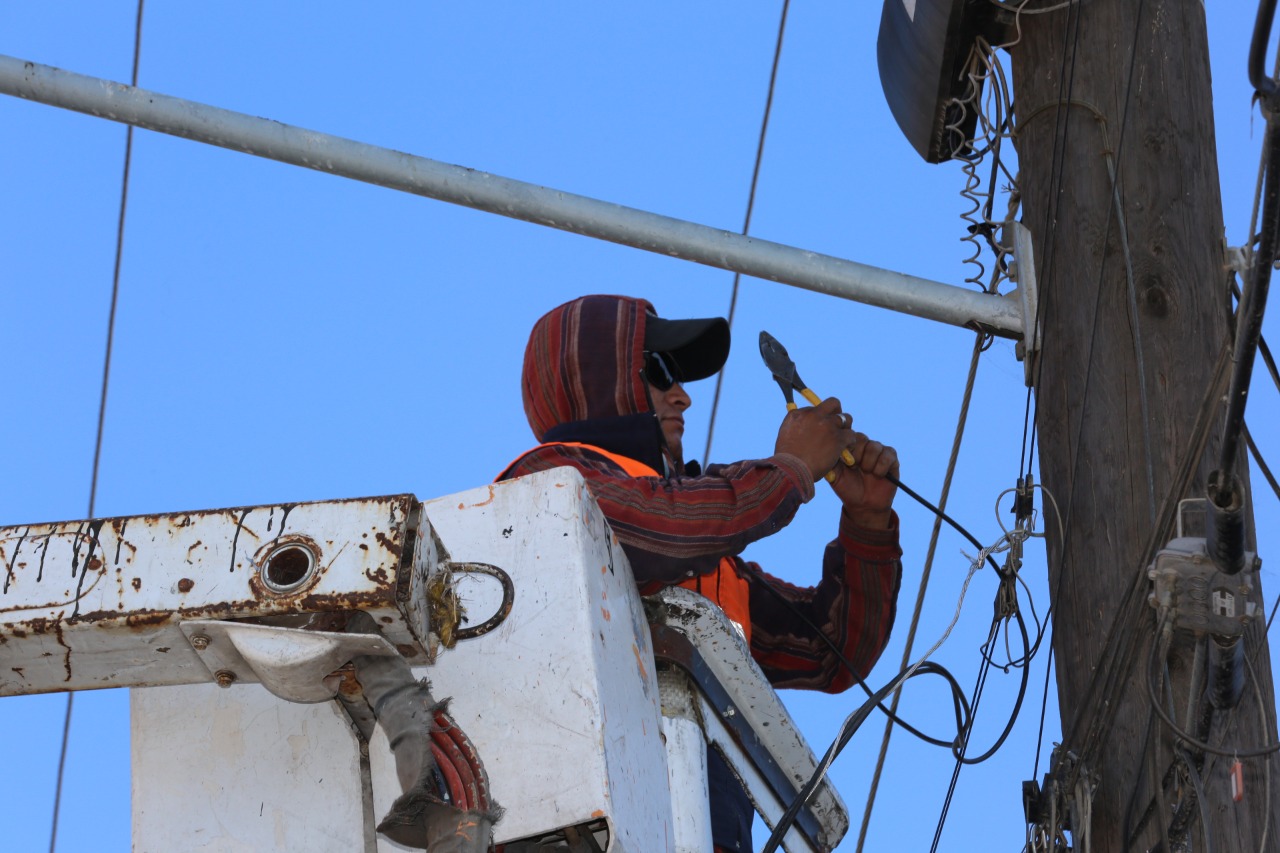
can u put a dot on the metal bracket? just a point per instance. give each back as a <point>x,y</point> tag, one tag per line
<point>1023,271</point>
<point>1201,599</point>
<point>1237,258</point>
<point>292,663</point>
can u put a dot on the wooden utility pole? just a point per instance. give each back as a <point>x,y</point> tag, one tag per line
<point>1122,87</point>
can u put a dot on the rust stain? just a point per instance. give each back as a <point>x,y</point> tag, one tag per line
<point>604,611</point>
<point>485,502</point>
<point>18,670</point>
<point>148,618</point>
<point>348,684</point>
<point>66,657</point>
<point>136,584</point>
<point>378,575</point>
<point>163,649</point>
<point>90,563</point>
<point>9,573</point>
<point>597,813</point>
<point>644,671</point>
<point>390,544</point>
<point>185,585</point>
<point>235,539</point>
<point>407,650</point>
<point>196,545</point>
<point>328,622</point>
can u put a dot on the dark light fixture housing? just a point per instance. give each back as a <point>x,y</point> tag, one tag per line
<point>921,52</point>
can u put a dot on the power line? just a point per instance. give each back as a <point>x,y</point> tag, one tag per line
<point>924,582</point>
<point>102,404</point>
<point>746,222</point>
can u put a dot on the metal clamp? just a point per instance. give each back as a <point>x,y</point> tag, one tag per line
<point>290,662</point>
<point>1023,271</point>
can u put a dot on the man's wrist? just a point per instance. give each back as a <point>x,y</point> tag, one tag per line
<point>870,519</point>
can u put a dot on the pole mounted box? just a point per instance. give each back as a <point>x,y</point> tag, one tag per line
<point>1200,598</point>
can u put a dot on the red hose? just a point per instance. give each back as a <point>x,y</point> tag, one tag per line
<point>458,762</point>
<point>468,749</point>
<point>457,792</point>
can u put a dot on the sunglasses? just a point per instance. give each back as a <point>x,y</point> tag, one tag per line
<point>659,372</point>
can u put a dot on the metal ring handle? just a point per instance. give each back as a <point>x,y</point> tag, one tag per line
<point>504,609</point>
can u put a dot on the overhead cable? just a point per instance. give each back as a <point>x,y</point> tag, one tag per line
<point>102,409</point>
<point>959,700</point>
<point>1159,650</point>
<point>1254,301</point>
<point>924,583</point>
<point>746,222</point>
<point>854,720</point>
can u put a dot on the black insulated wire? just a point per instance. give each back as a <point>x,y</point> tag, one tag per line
<point>948,519</point>
<point>1264,85</point>
<point>847,731</point>
<point>964,711</point>
<point>1253,304</point>
<point>1154,683</point>
<point>958,699</point>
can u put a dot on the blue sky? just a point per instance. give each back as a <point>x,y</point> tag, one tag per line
<point>286,335</point>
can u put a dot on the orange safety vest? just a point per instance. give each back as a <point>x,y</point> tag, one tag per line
<point>724,586</point>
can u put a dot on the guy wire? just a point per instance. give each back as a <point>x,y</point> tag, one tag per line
<point>102,407</point>
<point>746,223</point>
<point>924,583</point>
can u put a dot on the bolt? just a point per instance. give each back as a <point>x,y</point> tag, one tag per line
<point>199,642</point>
<point>224,677</point>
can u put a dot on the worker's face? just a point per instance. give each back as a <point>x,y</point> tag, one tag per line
<point>670,406</point>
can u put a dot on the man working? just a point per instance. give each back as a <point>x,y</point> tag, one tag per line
<point>603,390</point>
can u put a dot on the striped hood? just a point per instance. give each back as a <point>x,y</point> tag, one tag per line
<point>582,377</point>
<point>583,362</point>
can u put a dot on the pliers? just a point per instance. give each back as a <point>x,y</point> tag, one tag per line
<point>784,373</point>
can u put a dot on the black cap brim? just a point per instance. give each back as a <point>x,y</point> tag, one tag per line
<point>699,348</point>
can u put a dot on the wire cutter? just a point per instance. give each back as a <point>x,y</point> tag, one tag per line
<point>784,373</point>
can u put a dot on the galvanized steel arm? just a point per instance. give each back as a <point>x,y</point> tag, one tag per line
<point>1001,315</point>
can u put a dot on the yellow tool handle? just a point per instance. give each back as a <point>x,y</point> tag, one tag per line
<point>845,455</point>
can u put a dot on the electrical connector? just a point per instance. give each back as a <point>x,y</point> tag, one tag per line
<point>1198,597</point>
<point>1024,498</point>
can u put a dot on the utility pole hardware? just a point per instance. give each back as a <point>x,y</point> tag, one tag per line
<point>1120,189</point>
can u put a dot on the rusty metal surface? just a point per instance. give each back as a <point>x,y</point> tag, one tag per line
<point>97,603</point>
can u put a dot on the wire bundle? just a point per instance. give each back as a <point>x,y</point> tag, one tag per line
<point>463,782</point>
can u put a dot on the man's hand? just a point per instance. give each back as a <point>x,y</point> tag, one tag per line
<point>866,494</point>
<point>816,435</point>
